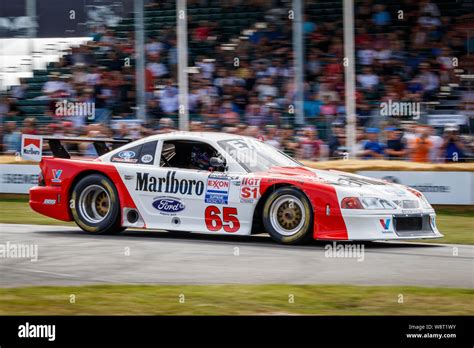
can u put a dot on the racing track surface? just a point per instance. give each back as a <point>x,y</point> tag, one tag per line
<point>68,256</point>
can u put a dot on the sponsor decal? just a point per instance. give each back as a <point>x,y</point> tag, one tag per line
<point>169,184</point>
<point>249,190</point>
<point>147,158</point>
<point>57,175</point>
<point>168,205</point>
<point>126,154</point>
<point>34,142</point>
<point>49,202</point>
<point>31,147</point>
<point>125,160</point>
<point>217,190</point>
<point>385,224</point>
<point>411,211</point>
<point>433,222</point>
<point>217,220</point>
<point>128,177</point>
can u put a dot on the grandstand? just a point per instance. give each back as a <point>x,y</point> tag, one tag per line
<point>261,32</point>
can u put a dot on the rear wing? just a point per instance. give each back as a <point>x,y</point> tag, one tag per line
<point>32,145</point>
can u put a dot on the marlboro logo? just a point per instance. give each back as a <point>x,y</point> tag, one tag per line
<point>31,147</point>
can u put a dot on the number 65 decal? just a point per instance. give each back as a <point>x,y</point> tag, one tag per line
<point>229,221</point>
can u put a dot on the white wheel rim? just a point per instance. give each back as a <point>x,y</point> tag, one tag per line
<point>94,204</point>
<point>287,215</point>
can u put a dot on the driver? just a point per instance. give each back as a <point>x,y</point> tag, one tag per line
<point>200,158</point>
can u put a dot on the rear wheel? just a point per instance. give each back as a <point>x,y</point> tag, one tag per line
<point>288,216</point>
<point>95,205</point>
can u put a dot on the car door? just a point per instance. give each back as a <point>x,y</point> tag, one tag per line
<point>190,184</point>
<point>219,209</point>
<point>172,196</point>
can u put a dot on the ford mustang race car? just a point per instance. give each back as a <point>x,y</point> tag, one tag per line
<point>219,184</point>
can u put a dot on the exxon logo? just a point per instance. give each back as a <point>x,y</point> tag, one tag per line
<point>218,184</point>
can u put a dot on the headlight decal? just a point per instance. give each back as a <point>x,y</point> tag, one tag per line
<point>369,203</point>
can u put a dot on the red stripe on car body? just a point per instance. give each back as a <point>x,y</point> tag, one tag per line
<point>320,194</point>
<point>60,191</point>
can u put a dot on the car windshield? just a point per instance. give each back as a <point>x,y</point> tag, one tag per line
<point>256,156</point>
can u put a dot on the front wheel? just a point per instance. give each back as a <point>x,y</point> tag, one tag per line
<point>288,216</point>
<point>95,205</point>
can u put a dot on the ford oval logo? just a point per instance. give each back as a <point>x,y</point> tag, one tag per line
<point>168,205</point>
<point>126,154</point>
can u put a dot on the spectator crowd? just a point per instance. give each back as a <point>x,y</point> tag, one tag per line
<point>247,87</point>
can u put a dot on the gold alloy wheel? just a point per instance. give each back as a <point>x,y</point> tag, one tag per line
<point>102,204</point>
<point>287,215</point>
<point>94,203</point>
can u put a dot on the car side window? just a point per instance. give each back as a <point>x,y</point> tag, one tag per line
<point>142,154</point>
<point>188,155</point>
<point>147,154</point>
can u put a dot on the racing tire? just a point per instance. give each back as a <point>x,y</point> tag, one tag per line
<point>95,205</point>
<point>288,216</point>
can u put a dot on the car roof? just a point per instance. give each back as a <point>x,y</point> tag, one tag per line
<point>204,136</point>
<point>207,137</point>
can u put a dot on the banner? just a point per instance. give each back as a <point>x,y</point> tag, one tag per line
<point>438,187</point>
<point>443,120</point>
<point>18,178</point>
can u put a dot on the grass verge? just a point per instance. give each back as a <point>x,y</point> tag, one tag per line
<point>236,300</point>
<point>18,211</point>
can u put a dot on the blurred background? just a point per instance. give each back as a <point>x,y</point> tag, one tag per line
<point>277,70</point>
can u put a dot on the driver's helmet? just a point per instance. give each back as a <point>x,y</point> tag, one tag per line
<point>200,158</point>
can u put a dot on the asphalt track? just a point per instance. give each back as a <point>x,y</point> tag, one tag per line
<point>68,256</point>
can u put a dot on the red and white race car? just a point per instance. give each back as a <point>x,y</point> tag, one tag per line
<point>219,184</point>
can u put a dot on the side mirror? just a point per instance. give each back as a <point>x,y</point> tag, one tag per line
<point>217,162</point>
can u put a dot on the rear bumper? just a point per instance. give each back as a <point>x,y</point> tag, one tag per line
<point>50,201</point>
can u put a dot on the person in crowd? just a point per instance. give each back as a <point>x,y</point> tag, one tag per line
<point>373,148</point>
<point>310,145</point>
<point>437,142</point>
<point>11,138</point>
<point>29,126</point>
<point>453,148</point>
<point>421,145</point>
<point>395,148</point>
<point>288,143</point>
<point>271,136</point>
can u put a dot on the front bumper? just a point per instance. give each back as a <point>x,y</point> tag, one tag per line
<point>381,225</point>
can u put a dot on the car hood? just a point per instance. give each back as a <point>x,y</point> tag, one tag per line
<point>347,183</point>
<point>359,185</point>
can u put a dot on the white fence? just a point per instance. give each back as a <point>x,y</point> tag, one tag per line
<point>438,187</point>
